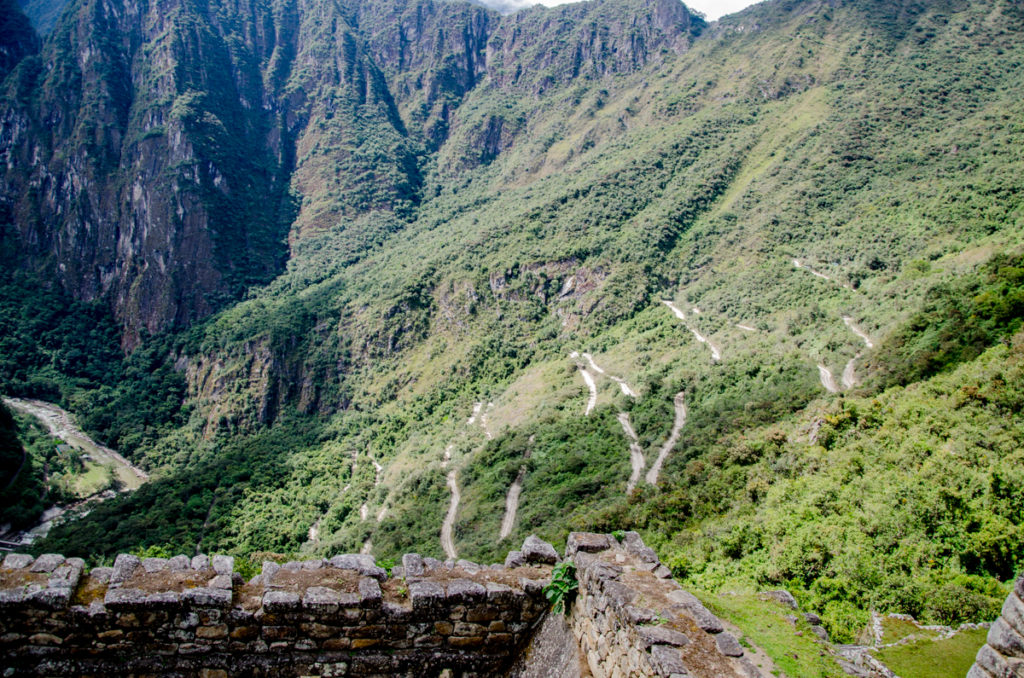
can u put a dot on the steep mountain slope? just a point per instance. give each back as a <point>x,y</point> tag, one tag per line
<point>488,209</point>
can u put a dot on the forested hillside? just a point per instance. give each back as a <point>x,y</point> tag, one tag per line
<point>751,287</point>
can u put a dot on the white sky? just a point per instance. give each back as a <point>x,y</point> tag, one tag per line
<point>711,8</point>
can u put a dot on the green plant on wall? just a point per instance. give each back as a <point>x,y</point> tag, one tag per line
<point>562,587</point>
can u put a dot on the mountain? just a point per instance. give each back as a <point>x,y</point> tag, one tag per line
<point>764,272</point>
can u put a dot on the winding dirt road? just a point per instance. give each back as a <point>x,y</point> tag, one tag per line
<point>675,309</point>
<point>848,321</point>
<point>826,379</point>
<point>849,376</point>
<point>448,526</point>
<point>680,406</point>
<point>716,355</point>
<point>636,454</point>
<point>589,380</point>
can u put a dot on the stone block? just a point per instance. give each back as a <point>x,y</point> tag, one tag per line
<point>640,615</point>
<point>336,644</point>
<point>468,566</point>
<point>277,633</point>
<point>413,565</point>
<point>48,562</point>
<point>1018,587</point>
<point>124,567</point>
<point>370,595</point>
<point>532,587</point>
<point>396,613</point>
<point>200,562</point>
<point>465,642</point>
<point>782,596</point>
<point>466,591</point>
<point>151,565</point>
<point>693,607</point>
<point>498,594</point>
<point>667,660</point>
<point>425,595</point>
<point>179,563</point>
<point>998,665</point>
<point>536,550</point>
<point>17,561</point>
<point>514,559</point>
<point>212,632</point>
<point>281,601</point>
<point>662,572</point>
<point>45,639</point>
<point>1005,640</point>
<point>361,563</point>
<point>315,564</point>
<point>101,575</point>
<point>318,599</point>
<point>124,599</point>
<point>587,542</point>
<point>619,595</point>
<point>221,581</point>
<point>660,635</point>
<point>812,619</point>
<point>431,563</point>
<point>728,645</point>
<point>481,613</point>
<point>820,631</point>
<point>360,643</point>
<point>1013,612</point>
<point>206,597</point>
<point>223,564</point>
<point>244,632</point>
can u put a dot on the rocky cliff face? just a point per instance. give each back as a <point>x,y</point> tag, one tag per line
<point>159,152</point>
<point>17,39</point>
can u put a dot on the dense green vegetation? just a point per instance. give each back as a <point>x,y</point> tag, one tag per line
<point>876,143</point>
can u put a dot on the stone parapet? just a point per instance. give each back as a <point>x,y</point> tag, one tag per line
<point>1002,656</point>
<point>330,617</point>
<point>632,620</point>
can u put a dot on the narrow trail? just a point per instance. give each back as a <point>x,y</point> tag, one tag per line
<point>60,425</point>
<point>512,500</point>
<point>746,328</point>
<point>588,379</point>
<point>827,380</point>
<point>623,386</point>
<point>716,355</point>
<point>674,309</point>
<point>447,527</point>
<point>590,359</point>
<point>367,549</point>
<point>680,406</point>
<point>849,376</point>
<point>848,321</point>
<point>476,412</point>
<point>483,421</point>
<point>636,455</point>
<point>797,264</point>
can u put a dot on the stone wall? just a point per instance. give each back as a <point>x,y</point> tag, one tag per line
<point>195,616</point>
<point>631,619</point>
<point>1003,654</point>
<point>348,617</point>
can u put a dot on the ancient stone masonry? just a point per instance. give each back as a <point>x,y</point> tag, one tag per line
<point>345,616</point>
<point>195,616</point>
<point>632,619</point>
<point>1003,654</point>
